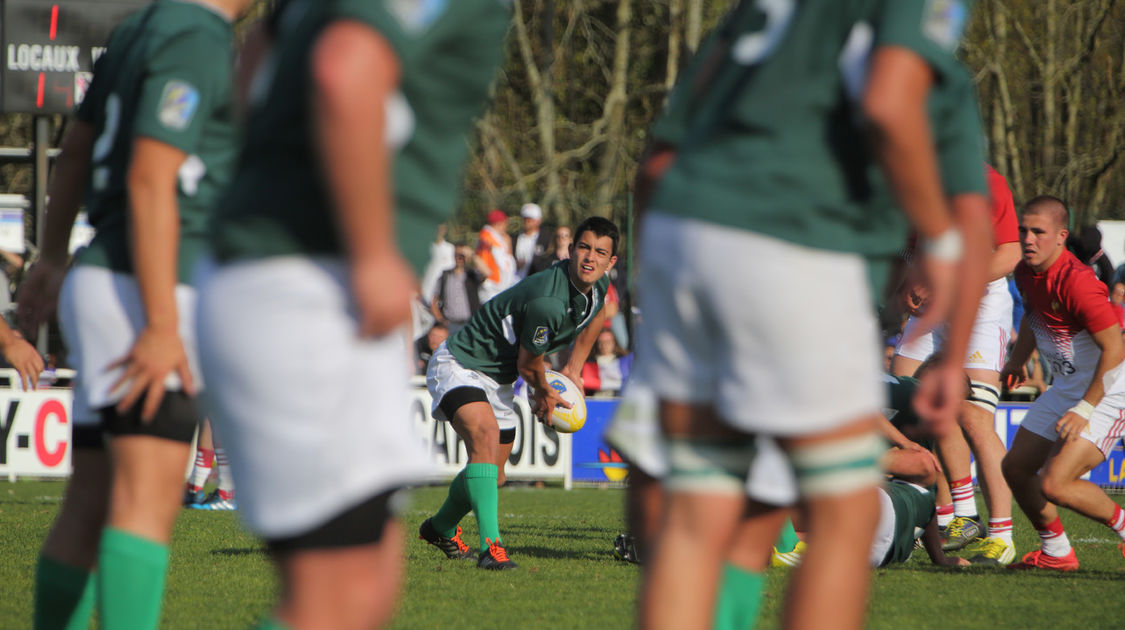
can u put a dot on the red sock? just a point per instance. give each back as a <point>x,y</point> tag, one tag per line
<point>1117,521</point>
<point>1053,537</point>
<point>204,457</point>
<point>944,514</point>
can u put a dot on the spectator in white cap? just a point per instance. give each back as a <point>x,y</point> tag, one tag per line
<point>529,243</point>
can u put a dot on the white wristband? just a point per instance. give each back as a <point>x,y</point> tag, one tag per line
<point>949,246</point>
<point>1083,409</point>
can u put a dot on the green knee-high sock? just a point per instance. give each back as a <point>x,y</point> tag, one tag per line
<point>456,506</point>
<point>480,480</point>
<point>131,573</point>
<point>64,596</point>
<point>788,540</point>
<point>740,597</point>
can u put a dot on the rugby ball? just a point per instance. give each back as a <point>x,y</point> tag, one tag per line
<point>567,420</point>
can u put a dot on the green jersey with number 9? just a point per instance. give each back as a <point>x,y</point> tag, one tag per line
<point>165,75</point>
<point>767,130</point>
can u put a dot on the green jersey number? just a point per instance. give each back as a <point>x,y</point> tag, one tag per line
<point>751,48</point>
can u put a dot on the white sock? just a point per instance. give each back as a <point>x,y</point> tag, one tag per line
<point>1055,542</point>
<point>964,503</point>
<point>203,461</point>
<point>226,482</point>
<point>1000,528</point>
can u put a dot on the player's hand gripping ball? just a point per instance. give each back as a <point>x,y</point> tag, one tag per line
<point>567,420</point>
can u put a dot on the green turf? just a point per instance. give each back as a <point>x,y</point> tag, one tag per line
<point>219,577</point>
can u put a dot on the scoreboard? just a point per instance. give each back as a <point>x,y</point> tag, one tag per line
<point>49,49</point>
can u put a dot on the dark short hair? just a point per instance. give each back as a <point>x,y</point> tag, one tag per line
<point>1048,204</point>
<point>600,226</point>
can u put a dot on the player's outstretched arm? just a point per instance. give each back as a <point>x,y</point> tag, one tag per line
<point>155,236</point>
<point>931,541</point>
<point>39,293</point>
<point>355,71</point>
<point>583,344</point>
<point>895,103</point>
<point>895,106</point>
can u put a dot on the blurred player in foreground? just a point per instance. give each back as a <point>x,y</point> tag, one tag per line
<point>774,187</point>
<point>983,360</point>
<point>317,242</point>
<point>152,144</point>
<point>470,378</point>
<point>1071,428</point>
<point>635,435</point>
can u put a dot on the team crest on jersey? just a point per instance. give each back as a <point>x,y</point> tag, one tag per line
<point>541,336</point>
<point>943,21</point>
<point>178,104</point>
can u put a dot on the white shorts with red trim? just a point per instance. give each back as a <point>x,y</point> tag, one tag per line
<point>1107,423</point>
<point>988,342</point>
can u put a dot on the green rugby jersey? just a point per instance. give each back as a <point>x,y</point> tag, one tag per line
<point>165,75</point>
<point>768,140</point>
<point>959,135</point>
<point>542,313</point>
<point>914,508</point>
<point>448,52</point>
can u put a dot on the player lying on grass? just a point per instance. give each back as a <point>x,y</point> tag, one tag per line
<point>1071,428</point>
<point>470,378</point>
<point>906,514</point>
<point>635,435</point>
<point>632,434</point>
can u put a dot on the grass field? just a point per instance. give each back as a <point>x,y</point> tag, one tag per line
<point>568,578</point>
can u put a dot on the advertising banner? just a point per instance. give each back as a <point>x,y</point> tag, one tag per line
<point>539,452</point>
<point>35,430</point>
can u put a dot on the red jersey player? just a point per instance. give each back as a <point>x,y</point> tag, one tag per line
<point>1072,427</point>
<point>957,514</point>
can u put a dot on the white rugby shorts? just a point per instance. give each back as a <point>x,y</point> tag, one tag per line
<point>1107,423</point>
<point>884,530</point>
<point>445,374</point>
<point>779,338</point>
<point>988,341</point>
<point>314,418</point>
<point>635,434</point>
<point>100,315</point>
